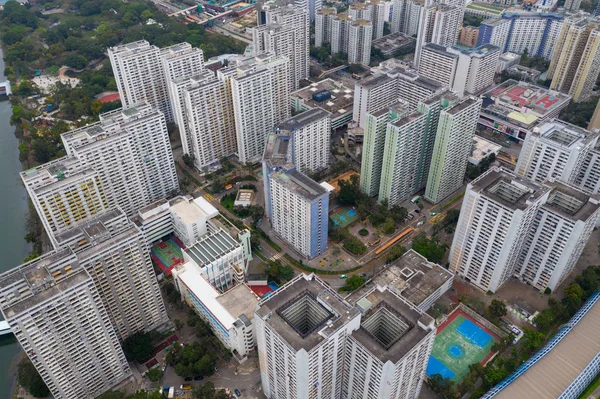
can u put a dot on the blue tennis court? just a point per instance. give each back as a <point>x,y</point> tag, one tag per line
<point>473,333</point>
<point>436,367</point>
<point>273,286</point>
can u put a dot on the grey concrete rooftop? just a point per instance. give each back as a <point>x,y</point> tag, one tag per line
<point>304,119</point>
<point>295,289</point>
<point>507,189</point>
<point>300,184</point>
<point>571,203</point>
<point>419,326</point>
<point>240,300</point>
<point>412,276</point>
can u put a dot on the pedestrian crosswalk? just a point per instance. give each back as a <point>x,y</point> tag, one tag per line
<point>209,197</point>
<point>277,256</point>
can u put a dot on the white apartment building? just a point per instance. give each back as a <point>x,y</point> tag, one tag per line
<point>588,178</point>
<point>287,33</point>
<point>260,95</point>
<point>560,231</point>
<point>360,34</point>
<point>452,148</point>
<point>181,62</point>
<point>313,6</point>
<point>115,254</point>
<point>439,24</point>
<point>130,150</point>
<point>388,355</point>
<point>555,150</point>
<point>209,114</point>
<point>406,15</point>
<point>340,33</point>
<point>63,193</point>
<point>302,331</point>
<point>140,76</point>
<point>372,95</point>
<point>360,11</point>
<point>324,25</point>
<point>371,10</point>
<point>230,314</point>
<point>310,132</point>
<point>464,71</point>
<point>55,312</point>
<point>497,213</point>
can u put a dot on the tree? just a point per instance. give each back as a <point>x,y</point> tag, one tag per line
<point>76,61</point>
<point>355,246</point>
<point>188,160</point>
<point>429,248</point>
<point>154,374</point>
<point>353,283</point>
<point>573,296</point>
<point>545,320</point>
<point>278,271</point>
<point>394,253</point>
<point>443,386</point>
<point>217,186</point>
<point>138,346</point>
<point>399,213</point>
<point>497,309</point>
<point>389,226</point>
<point>29,378</point>
<point>532,340</point>
<point>178,324</point>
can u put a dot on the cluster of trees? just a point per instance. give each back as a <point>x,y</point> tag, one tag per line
<point>474,171</point>
<point>191,360</point>
<point>208,391</point>
<point>472,20</point>
<point>29,378</point>
<point>354,245</point>
<point>138,347</point>
<point>448,223</point>
<point>535,62</point>
<point>278,272</point>
<point>254,211</point>
<point>140,394</point>
<point>579,113</point>
<point>353,283</point>
<point>429,248</point>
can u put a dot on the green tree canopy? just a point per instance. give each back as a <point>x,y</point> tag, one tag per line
<point>154,374</point>
<point>29,378</point>
<point>138,346</point>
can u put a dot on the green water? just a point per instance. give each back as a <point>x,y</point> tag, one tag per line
<point>13,199</point>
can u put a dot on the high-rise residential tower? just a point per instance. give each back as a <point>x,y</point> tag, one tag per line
<point>302,331</point>
<point>140,76</point>
<point>405,16</point>
<point>439,24</point>
<point>408,149</point>
<point>575,64</point>
<point>313,6</point>
<point>453,141</point>
<point>130,150</point>
<point>340,33</point>
<point>287,33</point>
<point>296,205</point>
<point>555,150</point>
<point>55,312</point>
<point>181,62</point>
<point>360,34</point>
<point>497,212</point>
<point>115,254</point>
<point>323,25</point>
<point>210,119</point>
<point>554,243</point>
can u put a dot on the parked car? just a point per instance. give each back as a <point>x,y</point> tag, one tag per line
<point>237,392</point>
<point>188,379</point>
<point>198,378</point>
<point>362,274</point>
<point>344,276</point>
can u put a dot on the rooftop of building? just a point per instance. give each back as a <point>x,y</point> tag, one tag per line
<point>32,283</point>
<point>211,247</point>
<point>133,47</point>
<point>570,202</point>
<point>340,103</point>
<point>485,7</point>
<point>305,118</point>
<point>440,50</point>
<point>52,171</point>
<point>524,97</point>
<point>494,21</point>
<point>94,228</point>
<point>177,49</point>
<point>305,311</point>
<point>374,81</point>
<point>187,210</point>
<point>455,109</point>
<point>482,148</point>
<point>300,184</point>
<point>484,49</point>
<point>277,151</point>
<point>228,307</point>
<point>508,56</point>
<point>412,276</point>
<point>507,189</point>
<point>565,134</point>
<point>392,42</point>
<point>390,327</point>
<point>362,22</point>
<point>327,11</point>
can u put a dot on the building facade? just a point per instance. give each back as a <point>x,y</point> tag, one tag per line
<point>456,128</point>
<point>140,76</point>
<point>54,309</point>
<point>360,34</point>
<point>439,24</point>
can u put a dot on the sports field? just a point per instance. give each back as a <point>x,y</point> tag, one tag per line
<point>343,216</point>
<point>460,342</point>
<point>167,253</point>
